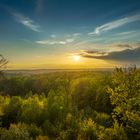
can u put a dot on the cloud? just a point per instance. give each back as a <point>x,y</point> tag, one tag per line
<point>115,24</point>
<point>76,34</point>
<point>125,46</point>
<point>129,54</point>
<point>53,36</point>
<point>127,33</point>
<point>60,42</point>
<point>69,40</point>
<point>27,22</point>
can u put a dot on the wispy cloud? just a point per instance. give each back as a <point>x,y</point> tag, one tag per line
<point>53,36</point>
<point>127,33</point>
<point>54,42</point>
<point>76,34</point>
<point>115,24</point>
<point>26,21</point>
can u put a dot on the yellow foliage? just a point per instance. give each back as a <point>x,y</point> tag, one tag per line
<point>42,138</point>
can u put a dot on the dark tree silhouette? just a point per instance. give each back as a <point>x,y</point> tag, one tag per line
<point>3,62</point>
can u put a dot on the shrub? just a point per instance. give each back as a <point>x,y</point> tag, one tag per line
<point>15,132</point>
<point>88,130</point>
<point>115,133</point>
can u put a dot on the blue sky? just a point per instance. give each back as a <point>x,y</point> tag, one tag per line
<point>37,33</point>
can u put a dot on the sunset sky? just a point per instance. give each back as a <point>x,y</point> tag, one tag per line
<point>53,34</point>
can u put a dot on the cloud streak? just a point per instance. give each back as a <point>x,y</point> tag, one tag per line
<point>54,42</point>
<point>130,54</point>
<point>27,22</point>
<point>115,24</point>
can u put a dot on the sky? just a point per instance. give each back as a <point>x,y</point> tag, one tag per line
<point>60,34</point>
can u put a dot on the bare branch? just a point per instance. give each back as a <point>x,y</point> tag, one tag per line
<point>3,62</point>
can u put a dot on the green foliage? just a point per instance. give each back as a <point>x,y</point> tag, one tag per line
<point>125,97</point>
<point>33,130</point>
<point>11,109</point>
<point>87,130</point>
<point>71,106</point>
<point>32,110</point>
<point>50,129</point>
<point>56,110</point>
<point>115,133</point>
<point>88,93</point>
<point>102,119</point>
<point>15,132</point>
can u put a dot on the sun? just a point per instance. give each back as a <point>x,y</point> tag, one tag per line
<point>76,58</point>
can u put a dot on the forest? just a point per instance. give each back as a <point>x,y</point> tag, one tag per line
<point>83,105</point>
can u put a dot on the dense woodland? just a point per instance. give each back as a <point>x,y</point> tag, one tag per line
<point>71,106</point>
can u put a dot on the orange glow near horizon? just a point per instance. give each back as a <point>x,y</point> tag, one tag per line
<point>64,61</point>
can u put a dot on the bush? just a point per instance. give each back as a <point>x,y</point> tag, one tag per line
<point>15,132</point>
<point>88,130</point>
<point>115,133</point>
